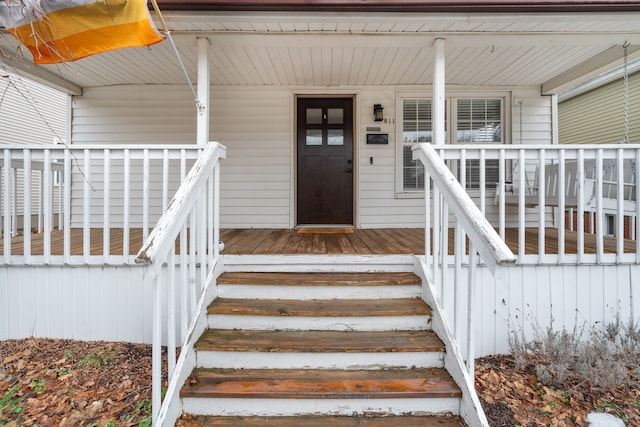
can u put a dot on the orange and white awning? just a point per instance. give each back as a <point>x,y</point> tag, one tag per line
<point>67,30</point>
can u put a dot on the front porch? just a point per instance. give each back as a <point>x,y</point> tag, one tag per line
<point>309,241</point>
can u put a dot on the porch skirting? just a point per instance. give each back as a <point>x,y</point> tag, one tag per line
<point>113,303</point>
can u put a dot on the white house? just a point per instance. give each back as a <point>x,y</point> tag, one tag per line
<point>319,109</point>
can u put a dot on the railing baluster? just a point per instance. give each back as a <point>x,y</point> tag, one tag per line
<point>156,363</point>
<point>636,174</point>
<point>171,315</point>
<point>541,203</point>
<point>183,165</point>
<point>185,288</point>
<point>67,206</point>
<point>562,192</point>
<point>483,184</point>
<point>192,260</point>
<point>501,183</point>
<point>471,285</point>
<point>521,205</point>
<point>211,253</point>
<point>6,234</point>
<point>48,206</point>
<point>86,217</point>
<point>427,217</point>
<point>216,211</point>
<point>201,235</point>
<point>165,178</point>
<point>14,205</point>
<point>436,236</point>
<point>580,210</point>
<point>58,173</point>
<point>599,211</point>
<point>620,205</point>
<point>458,252</point>
<point>145,194</point>
<point>40,200</point>
<point>444,251</point>
<point>106,212</point>
<point>26,199</point>
<point>458,249</point>
<point>126,223</point>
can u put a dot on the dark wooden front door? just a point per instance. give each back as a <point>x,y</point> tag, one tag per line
<point>325,161</point>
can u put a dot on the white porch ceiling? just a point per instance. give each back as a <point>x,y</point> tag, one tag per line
<point>552,51</point>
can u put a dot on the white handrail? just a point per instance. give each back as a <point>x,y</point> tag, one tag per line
<point>192,215</point>
<point>170,224</point>
<point>450,196</point>
<point>487,241</point>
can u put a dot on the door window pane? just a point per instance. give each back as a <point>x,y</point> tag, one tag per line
<point>335,116</point>
<point>335,137</point>
<point>314,137</point>
<point>314,116</point>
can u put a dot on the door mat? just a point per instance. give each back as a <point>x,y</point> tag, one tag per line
<point>326,230</point>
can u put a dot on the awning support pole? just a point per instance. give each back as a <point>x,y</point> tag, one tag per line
<point>438,93</point>
<point>202,134</point>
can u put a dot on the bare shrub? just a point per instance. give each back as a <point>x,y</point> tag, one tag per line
<point>602,356</point>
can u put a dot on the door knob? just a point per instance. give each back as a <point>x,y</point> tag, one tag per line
<point>349,170</point>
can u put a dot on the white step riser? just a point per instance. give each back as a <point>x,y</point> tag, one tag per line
<point>353,361</point>
<point>321,263</point>
<point>293,407</point>
<point>304,323</point>
<point>318,292</point>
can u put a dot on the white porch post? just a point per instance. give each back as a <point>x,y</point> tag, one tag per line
<point>438,92</point>
<point>439,212</point>
<point>202,133</point>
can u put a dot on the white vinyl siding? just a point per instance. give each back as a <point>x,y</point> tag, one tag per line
<point>149,114</point>
<point>256,124</point>
<point>597,116</point>
<point>31,113</point>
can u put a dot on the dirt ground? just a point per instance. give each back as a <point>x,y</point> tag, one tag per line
<point>515,397</point>
<point>46,382</point>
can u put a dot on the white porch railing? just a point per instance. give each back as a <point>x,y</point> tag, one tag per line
<point>72,190</point>
<point>449,196</point>
<point>585,188</point>
<point>186,241</point>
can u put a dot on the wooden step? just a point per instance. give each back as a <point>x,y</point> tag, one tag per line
<point>336,315</point>
<point>313,286</point>
<point>275,392</point>
<point>320,308</point>
<point>319,341</point>
<point>262,349</point>
<point>316,421</point>
<point>321,384</point>
<point>318,279</point>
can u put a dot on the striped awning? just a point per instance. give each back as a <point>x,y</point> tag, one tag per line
<point>67,30</point>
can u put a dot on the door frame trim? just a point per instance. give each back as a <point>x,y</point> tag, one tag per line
<point>294,152</point>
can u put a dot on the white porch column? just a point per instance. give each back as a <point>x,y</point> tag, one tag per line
<point>202,133</point>
<point>438,92</point>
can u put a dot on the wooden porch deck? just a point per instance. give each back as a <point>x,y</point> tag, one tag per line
<point>379,241</point>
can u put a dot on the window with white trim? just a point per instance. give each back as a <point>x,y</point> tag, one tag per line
<point>477,120</point>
